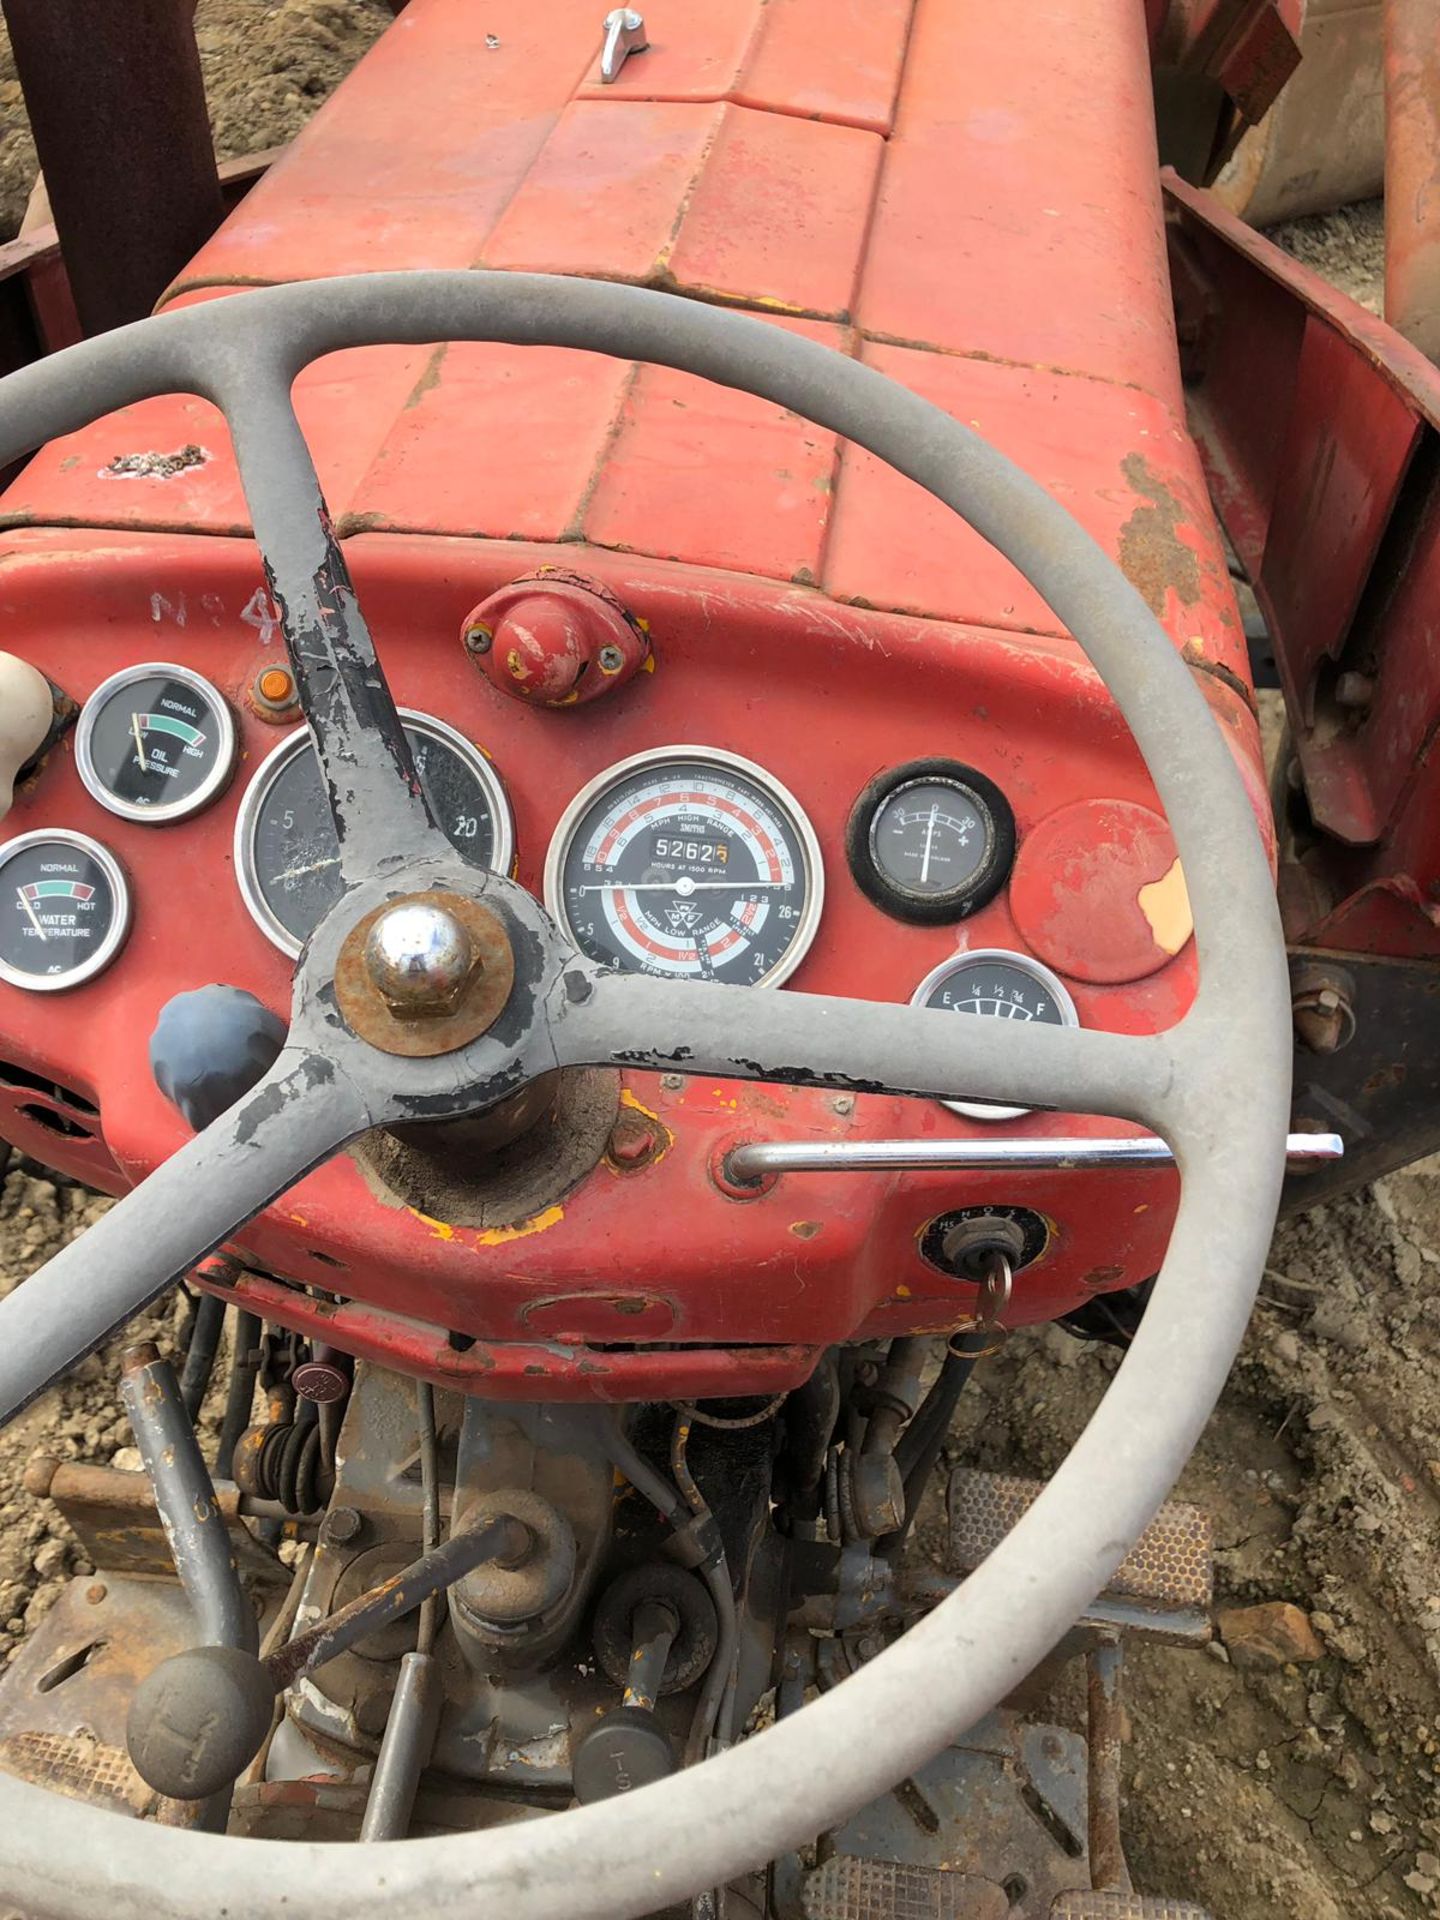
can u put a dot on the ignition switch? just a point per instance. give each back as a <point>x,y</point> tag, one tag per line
<point>556,639</point>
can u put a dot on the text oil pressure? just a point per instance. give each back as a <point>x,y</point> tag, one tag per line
<point>155,743</point>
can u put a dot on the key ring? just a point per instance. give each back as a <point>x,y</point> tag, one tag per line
<point>995,1293</point>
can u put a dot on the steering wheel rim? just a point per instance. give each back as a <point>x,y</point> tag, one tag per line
<point>1216,1086</point>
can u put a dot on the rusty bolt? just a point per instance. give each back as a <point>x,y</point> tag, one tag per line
<point>633,1143</point>
<point>843,1103</point>
<point>1354,691</point>
<point>320,1380</point>
<point>610,659</point>
<point>1322,1010</point>
<point>478,639</point>
<point>672,1082</point>
<point>95,1592</point>
<point>342,1525</point>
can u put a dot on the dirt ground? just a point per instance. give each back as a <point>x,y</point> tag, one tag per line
<point>1307,1792</point>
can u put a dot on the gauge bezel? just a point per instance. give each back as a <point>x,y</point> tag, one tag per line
<point>954,903</point>
<point>114,939</point>
<point>1038,972</point>
<point>247,819</point>
<point>163,812</point>
<point>778,794</point>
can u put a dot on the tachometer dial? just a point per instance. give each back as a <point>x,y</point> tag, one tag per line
<point>64,909</point>
<point>155,743</point>
<point>931,841</point>
<point>287,857</point>
<point>691,863</point>
<point>997,985</point>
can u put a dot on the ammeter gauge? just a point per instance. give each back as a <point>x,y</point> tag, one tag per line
<point>931,841</point>
<point>691,863</point>
<point>997,985</point>
<point>64,909</point>
<point>155,743</point>
<point>287,858</point>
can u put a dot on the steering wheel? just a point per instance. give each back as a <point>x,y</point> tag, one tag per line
<point>1216,1086</point>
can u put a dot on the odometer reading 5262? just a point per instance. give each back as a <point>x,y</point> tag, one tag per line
<point>690,863</point>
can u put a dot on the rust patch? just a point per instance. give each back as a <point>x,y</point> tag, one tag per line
<point>155,466</point>
<point>1154,558</point>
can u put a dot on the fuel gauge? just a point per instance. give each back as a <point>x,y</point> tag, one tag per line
<point>155,743</point>
<point>931,841</point>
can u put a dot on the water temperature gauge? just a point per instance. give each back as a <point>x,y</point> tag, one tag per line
<point>931,841</point>
<point>64,909</point>
<point>996,985</point>
<point>155,743</point>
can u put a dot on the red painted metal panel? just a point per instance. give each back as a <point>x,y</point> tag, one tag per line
<point>1116,458</point>
<point>830,60</point>
<point>716,199</point>
<point>718,476</point>
<point>1019,215</point>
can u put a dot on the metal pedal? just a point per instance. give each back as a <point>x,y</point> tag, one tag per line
<point>1161,1590</point>
<point>1123,1906</point>
<point>848,1888</point>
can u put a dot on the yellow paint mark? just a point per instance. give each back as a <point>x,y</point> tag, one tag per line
<point>1144,1207</point>
<point>627,1099</point>
<point>299,1219</point>
<point>725,1099</point>
<point>902,1293</point>
<point>441,1229</point>
<point>497,1236</point>
<point>647,665</point>
<point>1165,903</point>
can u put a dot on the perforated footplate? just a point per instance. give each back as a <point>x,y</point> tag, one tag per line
<point>77,1766</point>
<point>846,1888</point>
<point>1165,1582</point>
<point>1123,1906</point>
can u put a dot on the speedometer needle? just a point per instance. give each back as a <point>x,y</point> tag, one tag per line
<point>34,918</point>
<point>139,742</point>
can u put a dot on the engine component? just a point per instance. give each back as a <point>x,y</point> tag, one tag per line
<point>691,863</point>
<point>550,1466</point>
<point>619,1618</point>
<point>27,710</point>
<point>931,841</point>
<point>998,985</point>
<point>287,856</point>
<point>526,1583</point>
<point>556,639</point>
<point>285,1460</point>
<point>68,911</point>
<point>210,1046</point>
<point>199,1719</point>
<point>407,1743</point>
<point>155,743</point>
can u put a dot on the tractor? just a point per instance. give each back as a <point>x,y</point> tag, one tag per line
<point>637,826</point>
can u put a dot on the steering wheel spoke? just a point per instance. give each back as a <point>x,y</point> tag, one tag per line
<point>298,1115</point>
<point>382,819</point>
<point>859,1046</point>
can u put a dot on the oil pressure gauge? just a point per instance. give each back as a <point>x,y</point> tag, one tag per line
<point>931,841</point>
<point>155,743</point>
<point>64,909</point>
<point>997,985</point>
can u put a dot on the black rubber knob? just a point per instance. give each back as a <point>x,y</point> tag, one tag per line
<point>624,1750</point>
<point>198,1721</point>
<point>210,1046</point>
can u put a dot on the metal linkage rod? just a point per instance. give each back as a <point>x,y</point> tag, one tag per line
<point>194,1525</point>
<point>761,1159</point>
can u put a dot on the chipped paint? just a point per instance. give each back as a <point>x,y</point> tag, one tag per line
<point>1155,559</point>
<point>1165,904</point>
<point>441,1229</point>
<point>539,1223</point>
<point>636,1105</point>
